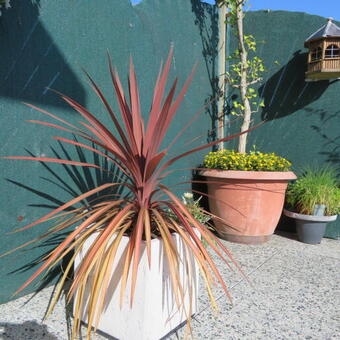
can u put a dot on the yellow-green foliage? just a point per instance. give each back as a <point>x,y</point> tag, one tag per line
<point>252,161</point>
<point>315,186</point>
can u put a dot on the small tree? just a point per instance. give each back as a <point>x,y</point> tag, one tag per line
<point>245,68</point>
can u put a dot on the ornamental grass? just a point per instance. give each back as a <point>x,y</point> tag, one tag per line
<point>315,187</point>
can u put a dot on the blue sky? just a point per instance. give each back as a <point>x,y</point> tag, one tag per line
<point>325,8</point>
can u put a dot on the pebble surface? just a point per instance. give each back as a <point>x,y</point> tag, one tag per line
<point>294,294</point>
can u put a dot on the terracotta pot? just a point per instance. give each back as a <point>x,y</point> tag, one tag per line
<point>249,202</point>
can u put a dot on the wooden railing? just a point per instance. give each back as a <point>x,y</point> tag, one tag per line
<point>315,66</point>
<point>331,64</point>
<point>324,64</point>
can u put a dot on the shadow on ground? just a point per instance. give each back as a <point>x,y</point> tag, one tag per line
<point>25,331</point>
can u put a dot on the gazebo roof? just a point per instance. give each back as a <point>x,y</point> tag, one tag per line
<point>328,30</point>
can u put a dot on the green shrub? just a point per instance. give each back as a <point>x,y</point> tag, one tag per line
<point>252,161</point>
<point>194,208</point>
<point>315,187</point>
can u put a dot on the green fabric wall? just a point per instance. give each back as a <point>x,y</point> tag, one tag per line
<point>46,44</point>
<point>303,118</point>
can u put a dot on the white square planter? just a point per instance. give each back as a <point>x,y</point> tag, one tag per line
<point>154,312</point>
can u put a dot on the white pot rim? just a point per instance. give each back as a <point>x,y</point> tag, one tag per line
<point>313,218</point>
<point>153,240</point>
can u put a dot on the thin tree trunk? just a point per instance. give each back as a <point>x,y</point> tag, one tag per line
<point>243,82</point>
<point>221,73</point>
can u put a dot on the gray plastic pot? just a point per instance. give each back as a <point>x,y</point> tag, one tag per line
<point>310,228</point>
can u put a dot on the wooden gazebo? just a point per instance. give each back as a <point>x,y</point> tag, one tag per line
<point>324,53</point>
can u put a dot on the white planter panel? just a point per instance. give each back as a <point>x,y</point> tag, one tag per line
<point>154,312</point>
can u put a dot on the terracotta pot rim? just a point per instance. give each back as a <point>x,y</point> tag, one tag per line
<point>313,218</point>
<point>249,175</point>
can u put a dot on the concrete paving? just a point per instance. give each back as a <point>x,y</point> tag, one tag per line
<point>294,294</point>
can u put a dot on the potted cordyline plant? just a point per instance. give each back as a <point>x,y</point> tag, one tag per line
<point>246,190</point>
<point>147,241</point>
<point>313,200</point>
